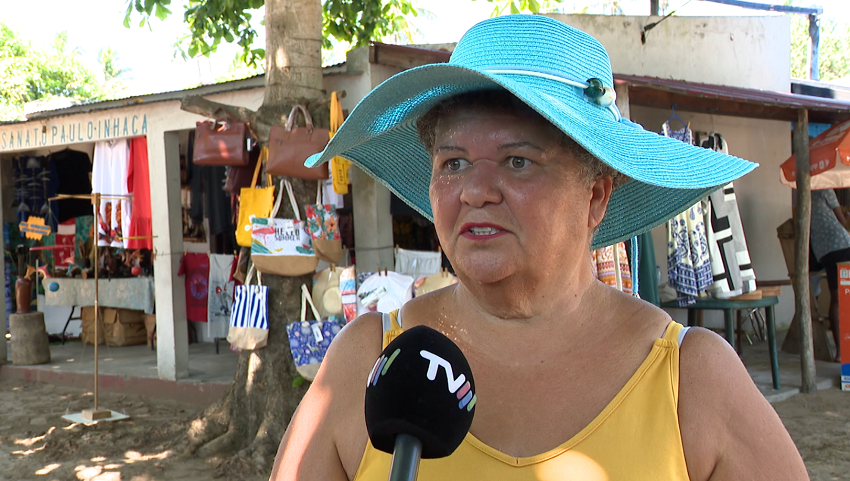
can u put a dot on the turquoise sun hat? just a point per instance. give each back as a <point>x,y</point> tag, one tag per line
<point>565,75</point>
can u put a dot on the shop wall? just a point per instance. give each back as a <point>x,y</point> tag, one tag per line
<point>764,203</point>
<point>748,52</point>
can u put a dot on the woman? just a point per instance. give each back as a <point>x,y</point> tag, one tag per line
<point>519,148</point>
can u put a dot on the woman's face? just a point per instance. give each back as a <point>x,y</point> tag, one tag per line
<point>508,199</point>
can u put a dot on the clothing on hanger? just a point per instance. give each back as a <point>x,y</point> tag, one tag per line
<point>417,263</point>
<point>603,264</point>
<point>72,171</point>
<point>109,177</point>
<point>219,295</point>
<point>196,269</point>
<point>138,183</point>
<point>688,263</point>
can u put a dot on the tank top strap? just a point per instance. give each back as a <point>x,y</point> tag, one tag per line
<point>675,333</point>
<point>391,326</point>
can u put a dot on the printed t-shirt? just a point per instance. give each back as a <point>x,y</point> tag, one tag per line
<point>196,268</point>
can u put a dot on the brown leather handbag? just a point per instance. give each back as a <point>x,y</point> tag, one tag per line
<point>289,147</point>
<point>239,177</point>
<point>222,142</point>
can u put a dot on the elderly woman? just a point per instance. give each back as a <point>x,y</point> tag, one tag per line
<point>528,166</point>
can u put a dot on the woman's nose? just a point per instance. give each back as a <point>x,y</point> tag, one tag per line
<point>481,184</point>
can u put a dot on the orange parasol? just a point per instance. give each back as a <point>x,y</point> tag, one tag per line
<point>829,160</point>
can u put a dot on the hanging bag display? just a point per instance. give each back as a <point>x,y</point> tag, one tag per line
<point>254,202</point>
<point>339,166</point>
<point>323,224</point>
<point>282,246</point>
<point>222,142</point>
<point>309,340</point>
<point>249,316</point>
<point>289,147</point>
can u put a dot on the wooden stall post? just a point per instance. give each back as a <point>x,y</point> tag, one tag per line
<point>802,227</point>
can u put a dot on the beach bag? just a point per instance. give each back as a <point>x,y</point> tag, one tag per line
<point>323,224</point>
<point>309,340</point>
<point>348,292</point>
<point>254,202</point>
<point>222,142</point>
<point>339,166</point>
<point>282,246</point>
<point>289,147</point>
<point>249,316</point>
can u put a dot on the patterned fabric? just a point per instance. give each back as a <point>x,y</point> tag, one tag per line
<point>131,293</point>
<point>322,221</point>
<point>220,295</point>
<point>250,307</point>
<point>603,267</point>
<point>348,291</point>
<point>731,267</point>
<point>688,263</point>
<point>309,340</point>
<point>828,235</point>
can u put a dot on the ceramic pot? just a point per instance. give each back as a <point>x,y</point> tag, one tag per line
<point>23,294</point>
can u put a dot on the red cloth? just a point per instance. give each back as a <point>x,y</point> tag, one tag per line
<point>138,184</point>
<point>65,236</point>
<point>196,268</point>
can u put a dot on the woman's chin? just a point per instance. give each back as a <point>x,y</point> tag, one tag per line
<point>484,270</point>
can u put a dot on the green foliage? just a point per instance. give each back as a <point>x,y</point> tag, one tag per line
<point>29,73</point>
<point>354,22</point>
<point>834,49</point>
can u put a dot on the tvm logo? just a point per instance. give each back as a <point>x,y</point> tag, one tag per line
<point>459,386</point>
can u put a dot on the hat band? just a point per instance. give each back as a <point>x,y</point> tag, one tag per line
<point>582,85</point>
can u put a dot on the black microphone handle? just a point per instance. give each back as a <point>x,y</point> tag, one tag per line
<point>406,454</point>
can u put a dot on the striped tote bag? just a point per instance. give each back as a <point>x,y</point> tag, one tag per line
<point>249,317</point>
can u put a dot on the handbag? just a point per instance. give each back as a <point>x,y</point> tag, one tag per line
<point>239,177</point>
<point>326,290</point>
<point>249,316</point>
<point>289,147</point>
<point>339,166</point>
<point>323,223</point>
<point>309,340</point>
<point>282,246</point>
<point>222,142</point>
<point>253,202</point>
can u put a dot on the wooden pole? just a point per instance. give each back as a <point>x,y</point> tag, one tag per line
<point>802,226</point>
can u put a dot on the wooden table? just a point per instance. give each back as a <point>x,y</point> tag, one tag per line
<point>729,307</point>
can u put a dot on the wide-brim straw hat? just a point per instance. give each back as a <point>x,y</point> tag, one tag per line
<point>549,66</point>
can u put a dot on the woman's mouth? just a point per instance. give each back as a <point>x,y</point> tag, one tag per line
<point>481,232</point>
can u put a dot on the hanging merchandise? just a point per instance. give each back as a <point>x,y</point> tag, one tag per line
<point>196,268</point>
<point>290,146</point>
<point>348,292</point>
<point>417,263</point>
<point>222,141</point>
<point>220,295</point>
<point>731,267</point>
<point>254,202</point>
<point>688,263</point>
<point>339,166</point>
<point>431,283</point>
<point>282,246</point>
<point>604,267</point>
<point>138,181</point>
<point>385,291</point>
<point>249,316</point>
<point>309,340</point>
<point>326,290</point>
<point>73,170</point>
<point>36,180</point>
<point>239,177</point>
<point>109,178</point>
<point>323,224</point>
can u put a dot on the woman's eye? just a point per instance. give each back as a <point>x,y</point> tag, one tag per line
<point>519,162</point>
<point>456,164</point>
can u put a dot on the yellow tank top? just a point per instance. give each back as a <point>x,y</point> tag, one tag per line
<point>635,438</point>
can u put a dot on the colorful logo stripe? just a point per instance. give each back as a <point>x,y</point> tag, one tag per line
<point>382,365</point>
<point>466,396</point>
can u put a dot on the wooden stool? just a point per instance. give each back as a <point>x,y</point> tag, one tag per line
<point>29,339</point>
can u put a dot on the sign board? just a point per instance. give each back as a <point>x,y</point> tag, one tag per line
<point>34,228</point>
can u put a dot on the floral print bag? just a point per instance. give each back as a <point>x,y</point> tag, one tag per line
<point>309,340</point>
<point>323,225</point>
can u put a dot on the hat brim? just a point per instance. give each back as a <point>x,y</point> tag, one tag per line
<point>667,176</point>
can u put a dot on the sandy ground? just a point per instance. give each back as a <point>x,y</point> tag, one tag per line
<point>36,444</point>
<point>820,427</point>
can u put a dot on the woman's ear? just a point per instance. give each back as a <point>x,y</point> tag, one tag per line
<point>600,194</point>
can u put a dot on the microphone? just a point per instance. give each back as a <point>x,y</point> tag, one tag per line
<point>420,400</point>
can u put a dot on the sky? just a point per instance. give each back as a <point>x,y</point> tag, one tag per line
<point>149,53</point>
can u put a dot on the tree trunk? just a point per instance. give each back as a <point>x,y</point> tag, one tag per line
<point>253,414</point>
